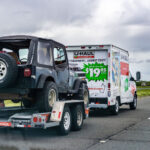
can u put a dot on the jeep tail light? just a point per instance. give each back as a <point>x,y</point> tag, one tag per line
<point>27,72</point>
<point>35,119</point>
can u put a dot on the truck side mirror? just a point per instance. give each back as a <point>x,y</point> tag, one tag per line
<point>138,76</point>
<point>132,79</point>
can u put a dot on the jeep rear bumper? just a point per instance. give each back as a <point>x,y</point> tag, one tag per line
<point>13,93</point>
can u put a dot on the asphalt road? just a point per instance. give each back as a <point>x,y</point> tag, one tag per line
<point>128,130</point>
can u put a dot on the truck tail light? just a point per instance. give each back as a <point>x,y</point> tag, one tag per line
<point>27,72</point>
<point>82,47</point>
<point>109,86</point>
<point>101,46</point>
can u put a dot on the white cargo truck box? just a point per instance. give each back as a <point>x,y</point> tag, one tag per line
<point>106,70</point>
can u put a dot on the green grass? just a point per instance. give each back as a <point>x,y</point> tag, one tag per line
<point>143,92</point>
<point>140,87</point>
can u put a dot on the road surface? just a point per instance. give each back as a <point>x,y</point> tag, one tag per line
<point>129,130</point>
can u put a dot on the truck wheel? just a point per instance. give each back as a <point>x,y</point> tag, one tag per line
<point>47,97</point>
<point>65,124</point>
<point>8,70</point>
<point>115,109</point>
<point>77,118</point>
<point>133,105</point>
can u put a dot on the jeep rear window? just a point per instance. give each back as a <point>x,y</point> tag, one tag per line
<point>23,54</point>
<point>18,49</point>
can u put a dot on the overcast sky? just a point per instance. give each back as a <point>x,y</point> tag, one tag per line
<point>125,23</point>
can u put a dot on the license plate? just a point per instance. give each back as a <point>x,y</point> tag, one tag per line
<point>20,125</point>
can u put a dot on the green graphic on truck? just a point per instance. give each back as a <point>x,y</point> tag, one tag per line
<point>96,71</point>
<point>126,85</point>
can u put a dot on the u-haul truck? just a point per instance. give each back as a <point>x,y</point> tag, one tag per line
<point>106,69</point>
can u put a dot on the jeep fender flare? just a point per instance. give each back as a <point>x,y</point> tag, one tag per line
<point>42,79</point>
<point>77,84</point>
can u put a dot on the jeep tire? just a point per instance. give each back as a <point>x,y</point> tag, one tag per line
<point>83,94</point>
<point>47,97</point>
<point>8,70</point>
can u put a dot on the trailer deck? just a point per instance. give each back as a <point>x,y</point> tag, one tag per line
<point>27,118</point>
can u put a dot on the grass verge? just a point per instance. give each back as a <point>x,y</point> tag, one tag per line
<point>143,92</point>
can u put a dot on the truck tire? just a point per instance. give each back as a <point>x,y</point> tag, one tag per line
<point>77,118</point>
<point>8,70</point>
<point>115,109</point>
<point>133,105</point>
<point>47,97</point>
<point>66,121</point>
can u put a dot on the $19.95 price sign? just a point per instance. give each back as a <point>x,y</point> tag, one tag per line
<point>96,71</point>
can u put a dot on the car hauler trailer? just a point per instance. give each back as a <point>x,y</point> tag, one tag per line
<point>66,115</point>
<point>106,69</point>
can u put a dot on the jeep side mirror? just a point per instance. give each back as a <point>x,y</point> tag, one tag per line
<point>138,76</point>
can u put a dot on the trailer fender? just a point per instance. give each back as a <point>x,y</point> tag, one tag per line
<point>57,111</point>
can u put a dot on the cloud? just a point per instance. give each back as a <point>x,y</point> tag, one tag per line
<point>32,16</point>
<point>124,23</point>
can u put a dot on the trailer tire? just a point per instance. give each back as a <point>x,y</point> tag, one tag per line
<point>77,118</point>
<point>66,121</point>
<point>47,97</point>
<point>133,105</point>
<point>115,108</point>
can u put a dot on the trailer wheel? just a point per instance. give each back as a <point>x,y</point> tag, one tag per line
<point>65,124</point>
<point>133,105</point>
<point>77,118</point>
<point>115,109</point>
<point>47,97</point>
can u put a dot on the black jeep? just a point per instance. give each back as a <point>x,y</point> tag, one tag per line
<point>35,71</point>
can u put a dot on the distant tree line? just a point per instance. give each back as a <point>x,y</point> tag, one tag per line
<point>143,83</point>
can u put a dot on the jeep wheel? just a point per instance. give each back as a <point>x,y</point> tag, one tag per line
<point>47,97</point>
<point>86,95</point>
<point>83,94</point>
<point>8,70</point>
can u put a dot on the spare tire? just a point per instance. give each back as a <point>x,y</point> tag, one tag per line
<point>8,70</point>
